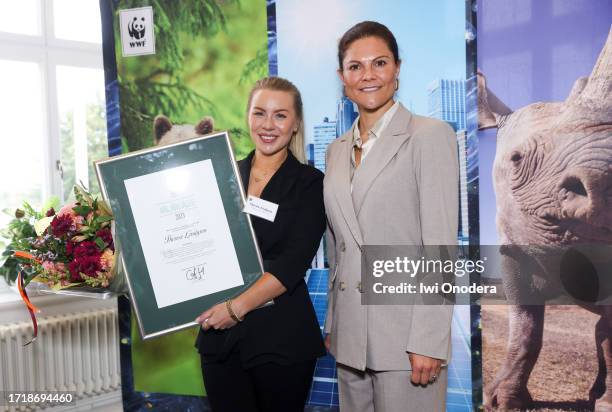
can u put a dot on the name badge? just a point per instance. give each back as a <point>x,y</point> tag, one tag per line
<point>260,208</point>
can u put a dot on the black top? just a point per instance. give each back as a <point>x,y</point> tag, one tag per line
<point>287,331</point>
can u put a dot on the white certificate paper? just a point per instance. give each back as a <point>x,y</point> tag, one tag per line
<point>184,233</point>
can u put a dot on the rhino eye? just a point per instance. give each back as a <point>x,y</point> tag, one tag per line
<point>516,157</point>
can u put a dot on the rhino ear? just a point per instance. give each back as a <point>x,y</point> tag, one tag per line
<point>205,126</point>
<point>161,126</point>
<point>491,110</point>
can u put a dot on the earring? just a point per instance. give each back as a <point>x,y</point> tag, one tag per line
<point>396,84</point>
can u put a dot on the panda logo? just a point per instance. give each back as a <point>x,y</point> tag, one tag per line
<point>136,29</point>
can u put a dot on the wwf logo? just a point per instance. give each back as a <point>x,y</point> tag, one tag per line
<point>137,33</point>
<point>136,28</point>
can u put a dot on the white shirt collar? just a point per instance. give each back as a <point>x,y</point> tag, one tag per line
<point>374,133</point>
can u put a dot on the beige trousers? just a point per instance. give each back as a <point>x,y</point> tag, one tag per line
<point>388,391</point>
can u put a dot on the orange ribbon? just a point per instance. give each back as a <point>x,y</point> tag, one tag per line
<point>25,255</point>
<point>31,308</point>
<point>24,296</point>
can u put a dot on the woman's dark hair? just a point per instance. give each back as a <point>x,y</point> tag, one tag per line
<point>363,30</point>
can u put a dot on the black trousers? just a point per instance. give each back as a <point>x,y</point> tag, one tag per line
<point>268,387</point>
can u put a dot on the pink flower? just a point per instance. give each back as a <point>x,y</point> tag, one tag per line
<point>54,272</point>
<point>79,221</point>
<point>107,260</point>
<point>67,210</point>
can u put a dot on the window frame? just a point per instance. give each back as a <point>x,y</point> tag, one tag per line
<point>49,52</point>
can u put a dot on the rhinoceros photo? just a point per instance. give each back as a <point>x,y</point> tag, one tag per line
<point>552,177</point>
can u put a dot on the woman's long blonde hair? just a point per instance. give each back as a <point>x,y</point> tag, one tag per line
<point>296,145</point>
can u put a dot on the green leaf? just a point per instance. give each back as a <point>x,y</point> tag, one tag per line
<point>105,208</point>
<point>81,195</point>
<point>30,211</point>
<point>82,210</point>
<point>100,243</point>
<point>102,219</point>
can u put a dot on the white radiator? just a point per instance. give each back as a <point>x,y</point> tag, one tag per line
<point>77,352</point>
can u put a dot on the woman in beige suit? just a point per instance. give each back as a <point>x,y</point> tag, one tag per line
<point>392,179</point>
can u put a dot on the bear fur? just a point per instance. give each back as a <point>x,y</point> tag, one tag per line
<point>165,132</point>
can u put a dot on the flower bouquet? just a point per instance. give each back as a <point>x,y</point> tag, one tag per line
<point>73,247</point>
<point>69,249</point>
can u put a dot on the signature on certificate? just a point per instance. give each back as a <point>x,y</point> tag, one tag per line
<point>195,272</point>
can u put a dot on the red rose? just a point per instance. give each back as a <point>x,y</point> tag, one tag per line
<point>86,248</point>
<point>74,269</point>
<point>88,265</point>
<point>60,225</point>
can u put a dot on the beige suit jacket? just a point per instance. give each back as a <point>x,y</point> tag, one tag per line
<point>404,193</point>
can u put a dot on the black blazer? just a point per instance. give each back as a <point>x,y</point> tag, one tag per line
<point>287,331</point>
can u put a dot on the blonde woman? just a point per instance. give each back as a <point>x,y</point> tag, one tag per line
<point>263,360</point>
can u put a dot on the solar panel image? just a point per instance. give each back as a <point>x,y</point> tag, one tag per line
<point>459,391</point>
<point>324,391</point>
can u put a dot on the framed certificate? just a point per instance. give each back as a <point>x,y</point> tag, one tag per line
<point>185,242</point>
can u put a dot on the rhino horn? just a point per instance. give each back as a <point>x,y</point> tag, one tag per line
<point>597,93</point>
<point>577,89</point>
<point>490,108</point>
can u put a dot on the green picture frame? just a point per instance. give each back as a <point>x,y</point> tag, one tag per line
<point>116,174</point>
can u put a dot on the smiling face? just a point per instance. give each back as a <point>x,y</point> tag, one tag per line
<point>369,73</point>
<point>272,121</point>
